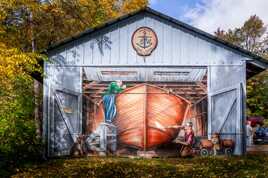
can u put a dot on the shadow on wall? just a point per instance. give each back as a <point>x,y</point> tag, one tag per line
<point>103,42</point>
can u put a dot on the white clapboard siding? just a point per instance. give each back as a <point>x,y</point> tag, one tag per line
<point>111,49</point>
<point>175,47</point>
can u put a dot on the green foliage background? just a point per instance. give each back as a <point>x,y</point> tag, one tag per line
<point>18,140</point>
<point>257,95</point>
<point>26,29</point>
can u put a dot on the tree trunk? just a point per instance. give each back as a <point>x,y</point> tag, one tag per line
<point>38,107</point>
<point>37,87</point>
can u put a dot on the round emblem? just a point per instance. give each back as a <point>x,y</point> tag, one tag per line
<point>144,41</point>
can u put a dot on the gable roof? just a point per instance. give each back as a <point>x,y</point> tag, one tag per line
<point>258,63</point>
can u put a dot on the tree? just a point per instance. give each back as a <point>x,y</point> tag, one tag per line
<point>252,36</point>
<point>55,20</point>
<point>27,27</point>
<point>17,127</point>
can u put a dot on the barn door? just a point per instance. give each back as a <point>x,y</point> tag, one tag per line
<point>226,115</point>
<point>67,122</point>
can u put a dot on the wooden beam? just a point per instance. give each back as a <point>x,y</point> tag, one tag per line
<point>65,118</point>
<point>145,120</point>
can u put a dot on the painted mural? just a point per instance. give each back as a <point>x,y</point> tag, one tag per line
<point>165,116</point>
<point>143,115</point>
<point>144,118</point>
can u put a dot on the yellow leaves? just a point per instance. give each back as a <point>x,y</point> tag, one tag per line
<point>15,63</point>
<point>132,5</point>
<point>50,23</point>
<point>86,2</point>
<point>57,20</point>
<point>108,7</point>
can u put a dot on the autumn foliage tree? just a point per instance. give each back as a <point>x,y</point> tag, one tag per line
<point>51,21</point>
<point>28,27</point>
<point>252,36</point>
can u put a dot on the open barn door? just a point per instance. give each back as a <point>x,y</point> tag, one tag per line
<point>66,123</point>
<point>226,115</point>
<point>150,105</point>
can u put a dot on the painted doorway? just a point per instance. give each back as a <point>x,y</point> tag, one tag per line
<point>151,101</point>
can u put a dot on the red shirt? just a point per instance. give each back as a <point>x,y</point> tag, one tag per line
<point>189,137</point>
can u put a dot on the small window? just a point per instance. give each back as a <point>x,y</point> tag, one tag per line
<point>119,73</point>
<point>171,73</point>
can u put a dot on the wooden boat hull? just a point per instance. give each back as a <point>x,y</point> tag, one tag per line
<point>144,113</point>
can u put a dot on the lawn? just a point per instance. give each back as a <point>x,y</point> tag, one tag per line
<point>249,166</point>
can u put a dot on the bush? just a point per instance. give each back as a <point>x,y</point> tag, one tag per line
<point>18,140</point>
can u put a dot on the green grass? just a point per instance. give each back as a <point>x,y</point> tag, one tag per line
<point>250,166</point>
<point>265,122</point>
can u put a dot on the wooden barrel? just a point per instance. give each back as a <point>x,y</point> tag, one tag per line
<point>205,143</point>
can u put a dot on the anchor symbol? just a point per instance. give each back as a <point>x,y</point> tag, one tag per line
<point>145,41</point>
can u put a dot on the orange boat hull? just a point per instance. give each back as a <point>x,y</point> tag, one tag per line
<point>144,113</point>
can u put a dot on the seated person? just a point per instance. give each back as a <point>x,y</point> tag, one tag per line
<point>189,137</point>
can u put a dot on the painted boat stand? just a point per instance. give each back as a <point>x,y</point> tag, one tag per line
<point>104,139</point>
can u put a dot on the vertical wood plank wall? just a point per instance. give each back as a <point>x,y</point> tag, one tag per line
<point>111,47</point>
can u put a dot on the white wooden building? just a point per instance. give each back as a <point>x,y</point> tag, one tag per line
<point>193,63</point>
